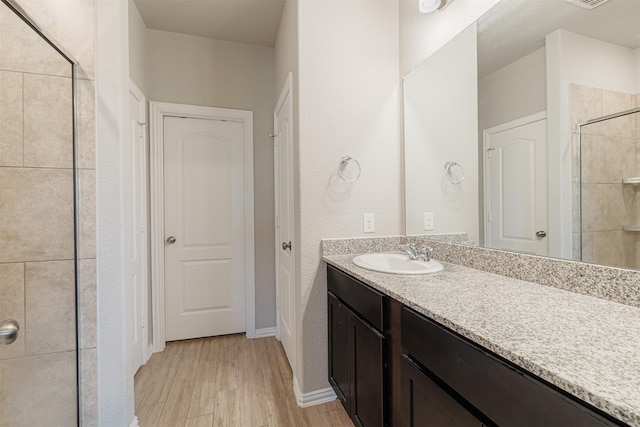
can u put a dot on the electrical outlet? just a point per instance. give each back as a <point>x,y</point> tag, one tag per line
<point>428,221</point>
<point>369,223</point>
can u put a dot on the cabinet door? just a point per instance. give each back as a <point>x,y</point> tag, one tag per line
<point>367,396</point>
<point>424,403</point>
<point>339,349</point>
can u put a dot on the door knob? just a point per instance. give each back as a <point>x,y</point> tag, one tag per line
<point>8,331</point>
<point>540,234</point>
<point>286,246</point>
<point>171,240</point>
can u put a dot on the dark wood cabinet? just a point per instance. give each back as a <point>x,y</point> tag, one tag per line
<point>357,348</point>
<point>424,402</point>
<point>392,366</point>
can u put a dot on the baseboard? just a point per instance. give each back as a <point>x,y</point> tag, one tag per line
<point>134,422</point>
<point>266,332</point>
<point>317,397</point>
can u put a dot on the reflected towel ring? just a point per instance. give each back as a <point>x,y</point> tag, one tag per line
<point>349,174</point>
<point>455,172</point>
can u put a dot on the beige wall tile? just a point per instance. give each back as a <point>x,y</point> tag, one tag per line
<point>88,303</point>
<point>89,387</point>
<point>43,390</point>
<point>50,307</point>
<point>615,210</point>
<point>11,114</point>
<point>592,207</point>
<point>24,50</point>
<point>576,246</point>
<point>609,249</point>
<point>87,210</point>
<point>36,207</point>
<point>587,247</point>
<point>585,103</point>
<point>607,159</point>
<point>48,121</point>
<point>615,102</point>
<point>575,204</point>
<point>12,305</point>
<point>86,124</point>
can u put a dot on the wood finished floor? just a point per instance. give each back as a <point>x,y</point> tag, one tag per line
<point>225,381</point>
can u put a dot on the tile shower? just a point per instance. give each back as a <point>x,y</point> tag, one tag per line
<point>40,259</point>
<point>606,154</point>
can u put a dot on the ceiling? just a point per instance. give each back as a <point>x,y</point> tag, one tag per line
<point>243,21</point>
<point>515,28</point>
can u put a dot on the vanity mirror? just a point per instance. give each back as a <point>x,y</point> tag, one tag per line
<point>508,100</point>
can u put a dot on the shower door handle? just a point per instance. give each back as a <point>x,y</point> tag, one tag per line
<point>8,331</point>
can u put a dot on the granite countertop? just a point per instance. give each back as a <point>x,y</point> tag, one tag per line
<point>586,346</point>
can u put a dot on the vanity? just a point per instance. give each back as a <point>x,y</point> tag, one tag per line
<point>468,347</point>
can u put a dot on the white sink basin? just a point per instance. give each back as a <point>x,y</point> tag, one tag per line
<point>396,263</point>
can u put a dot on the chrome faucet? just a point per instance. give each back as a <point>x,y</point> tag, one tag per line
<point>422,254</point>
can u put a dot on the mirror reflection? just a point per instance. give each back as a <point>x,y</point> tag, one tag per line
<point>516,100</point>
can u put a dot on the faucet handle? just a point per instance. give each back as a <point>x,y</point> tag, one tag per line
<point>425,253</point>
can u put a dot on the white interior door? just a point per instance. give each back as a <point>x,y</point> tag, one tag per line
<point>285,251</point>
<point>516,215</point>
<point>136,234</point>
<point>204,211</point>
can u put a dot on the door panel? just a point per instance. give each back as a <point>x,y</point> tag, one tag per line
<point>516,174</point>
<point>204,212</point>
<point>285,252</point>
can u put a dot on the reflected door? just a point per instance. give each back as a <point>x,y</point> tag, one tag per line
<point>516,215</point>
<point>38,366</point>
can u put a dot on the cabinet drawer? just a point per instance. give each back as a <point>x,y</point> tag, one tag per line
<point>365,301</point>
<point>503,392</point>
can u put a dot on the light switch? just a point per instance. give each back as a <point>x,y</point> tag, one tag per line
<point>428,221</point>
<point>369,223</point>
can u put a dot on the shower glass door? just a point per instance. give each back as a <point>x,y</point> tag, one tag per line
<point>38,339</point>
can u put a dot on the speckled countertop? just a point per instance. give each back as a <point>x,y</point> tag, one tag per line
<point>587,346</point>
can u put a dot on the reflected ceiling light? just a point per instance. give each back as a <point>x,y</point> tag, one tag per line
<point>428,6</point>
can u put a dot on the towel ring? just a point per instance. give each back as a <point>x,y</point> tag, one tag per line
<point>455,172</point>
<point>342,169</point>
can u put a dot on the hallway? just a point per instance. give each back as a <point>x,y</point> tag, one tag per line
<point>225,381</point>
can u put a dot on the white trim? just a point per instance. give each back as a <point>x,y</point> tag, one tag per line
<point>286,93</point>
<point>265,332</point>
<point>158,111</point>
<point>134,422</point>
<point>144,256</point>
<point>317,397</point>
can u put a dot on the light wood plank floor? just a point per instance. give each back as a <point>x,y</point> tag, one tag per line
<point>225,381</point>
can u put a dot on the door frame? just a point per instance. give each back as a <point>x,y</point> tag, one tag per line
<point>486,136</point>
<point>157,112</point>
<point>286,93</point>
<point>147,347</point>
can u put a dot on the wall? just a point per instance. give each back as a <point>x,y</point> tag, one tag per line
<point>349,103</point>
<point>423,34</point>
<point>138,49</point>
<point>575,59</point>
<point>195,70</point>
<point>441,122</point>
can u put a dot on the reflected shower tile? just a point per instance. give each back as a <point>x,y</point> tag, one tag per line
<point>50,307</point>
<point>36,380</point>
<point>89,387</point>
<point>39,58</point>
<point>87,213</point>
<point>88,303</point>
<point>615,212</point>
<point>48,122</point>
<point>36,207</point>
<point>12,305</point>
<point>608,248</point>
<point>577,246</point>
<point>615,102</point>
<point>587,247</point>
<point>592,207</point>
<point>11,114</point>
<point>575,207</point>
<point>86,124</point>
<point>586,103</point>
